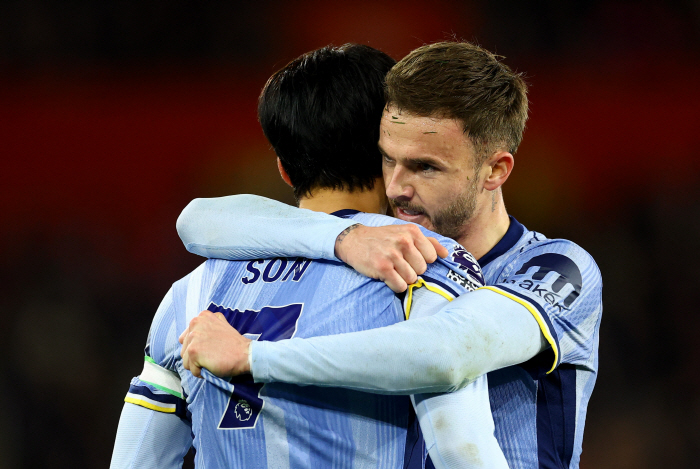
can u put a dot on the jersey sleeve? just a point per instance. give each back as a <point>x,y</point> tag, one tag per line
<point>561,286</point>
<point>155,428</point>
<point>148,439</point>
<point>159,387</point>
<point>241,227</point>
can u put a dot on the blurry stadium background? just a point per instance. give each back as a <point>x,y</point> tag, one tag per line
<point>113,115</point>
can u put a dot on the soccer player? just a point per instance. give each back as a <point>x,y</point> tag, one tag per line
<point>321,113</point>
<point>453,120</point>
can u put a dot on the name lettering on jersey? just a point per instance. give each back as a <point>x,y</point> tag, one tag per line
<point>274,270</point>
<point>553,277</point>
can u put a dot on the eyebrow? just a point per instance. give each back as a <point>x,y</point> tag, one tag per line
<point>416,161</point>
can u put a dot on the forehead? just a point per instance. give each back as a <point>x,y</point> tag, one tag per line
<point>406,135</point>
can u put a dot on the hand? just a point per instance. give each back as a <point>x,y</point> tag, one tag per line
<point>210,342</point>
<point>394,254</point>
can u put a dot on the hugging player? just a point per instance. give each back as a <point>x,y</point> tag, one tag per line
<point>453,120</point>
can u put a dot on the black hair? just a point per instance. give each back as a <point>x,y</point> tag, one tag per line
<point>321,113</point>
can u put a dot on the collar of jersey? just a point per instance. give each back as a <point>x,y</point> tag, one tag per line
<point>514,233</point>
<point>345,213</point>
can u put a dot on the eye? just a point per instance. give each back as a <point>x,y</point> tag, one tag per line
<point>426,167</point>
<point>387,160</point>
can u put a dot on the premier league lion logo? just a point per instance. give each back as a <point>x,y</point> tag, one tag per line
<point>243,411</point>
<point>466,261</point>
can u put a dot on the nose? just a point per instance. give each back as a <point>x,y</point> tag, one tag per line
<point>397,185</point>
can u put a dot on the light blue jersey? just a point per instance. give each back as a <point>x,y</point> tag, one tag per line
<point>243,424</point>
<point>539,406</point>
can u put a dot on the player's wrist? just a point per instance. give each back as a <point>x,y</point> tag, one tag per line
<point>341,244</point>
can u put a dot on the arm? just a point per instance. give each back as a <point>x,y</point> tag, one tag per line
<point>458,428</point>
<point>474,334</point>
<point>154,428</point>
<point>240,227</point>
<point>547,296</point>
<point>147,439</point>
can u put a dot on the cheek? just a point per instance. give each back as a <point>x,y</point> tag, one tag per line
<point>387,172</point>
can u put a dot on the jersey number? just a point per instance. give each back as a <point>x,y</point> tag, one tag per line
<point>270,323</point>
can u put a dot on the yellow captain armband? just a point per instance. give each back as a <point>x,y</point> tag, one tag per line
<point>538,317</point>
<point>422,283</point>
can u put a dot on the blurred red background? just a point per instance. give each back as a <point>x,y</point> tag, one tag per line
<point>113,117</point>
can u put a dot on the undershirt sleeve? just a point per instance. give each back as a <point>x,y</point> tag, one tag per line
<point>458,426</point>
<point>474,334</point>
<point>241,227</point>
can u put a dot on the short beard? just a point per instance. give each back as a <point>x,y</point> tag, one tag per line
<point>451,220</point>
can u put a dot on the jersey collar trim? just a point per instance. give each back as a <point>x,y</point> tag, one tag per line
<point>514,233</point>
<point>345,213</point>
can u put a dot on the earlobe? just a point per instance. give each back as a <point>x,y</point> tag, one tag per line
<point>501,166</point>
<point>283,173</point>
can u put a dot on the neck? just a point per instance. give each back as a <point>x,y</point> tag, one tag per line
<point>486,227</point>
<point>330,200</point>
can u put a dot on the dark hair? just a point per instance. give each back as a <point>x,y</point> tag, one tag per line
<point>459,80</point>
<point>321,113</point>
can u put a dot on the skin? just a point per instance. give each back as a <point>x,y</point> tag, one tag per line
<point>429,166</point>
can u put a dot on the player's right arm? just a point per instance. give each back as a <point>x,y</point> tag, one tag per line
<point>241,227</point>
<point>154,429</point>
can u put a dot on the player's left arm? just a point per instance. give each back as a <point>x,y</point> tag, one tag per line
<point>154,428</point>
<point>148,438</point>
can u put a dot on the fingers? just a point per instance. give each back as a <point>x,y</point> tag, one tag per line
<point>221,316</point>
<point>439,248</point>
<point>394,281</point>
<point>407,271</point>
<point>426,247</point>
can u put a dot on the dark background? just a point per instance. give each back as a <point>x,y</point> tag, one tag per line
<point>113,115</point>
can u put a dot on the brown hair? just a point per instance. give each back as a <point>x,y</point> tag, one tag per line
<point>460,80</point>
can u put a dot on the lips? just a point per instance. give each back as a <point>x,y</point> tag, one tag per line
<point>411,212</point>
<point>409,215</point>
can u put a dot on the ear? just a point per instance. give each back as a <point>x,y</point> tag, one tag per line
<point>501,164</point>
<point>283,173</point>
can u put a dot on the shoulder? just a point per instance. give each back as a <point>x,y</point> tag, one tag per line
<point>540,256</point>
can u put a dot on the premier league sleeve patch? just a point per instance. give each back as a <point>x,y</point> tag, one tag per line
<point>469,273</point>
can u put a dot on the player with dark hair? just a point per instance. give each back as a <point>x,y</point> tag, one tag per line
<point>321,134</point>
<point>454,117</point>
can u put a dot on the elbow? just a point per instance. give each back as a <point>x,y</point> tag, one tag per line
<point>452,372</point>
<point>185,222</point>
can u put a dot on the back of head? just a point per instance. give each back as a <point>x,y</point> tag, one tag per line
<point>321,114</point>
<point>459,80</point>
